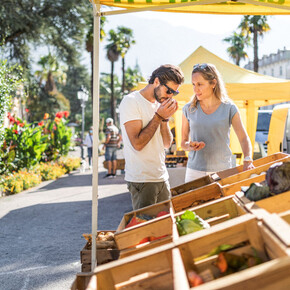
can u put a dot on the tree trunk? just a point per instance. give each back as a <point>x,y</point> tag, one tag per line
<point>256,59</point>
<point>113,105</point>
<point>123,75</point>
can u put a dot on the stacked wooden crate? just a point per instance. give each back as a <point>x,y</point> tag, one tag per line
<point>165,263</point>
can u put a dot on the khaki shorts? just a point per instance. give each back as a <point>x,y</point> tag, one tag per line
<point>148,193</point>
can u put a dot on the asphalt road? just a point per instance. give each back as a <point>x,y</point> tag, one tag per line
<point>41,229</point>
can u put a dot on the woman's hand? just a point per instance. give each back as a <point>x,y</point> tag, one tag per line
<point>248,165</point>
<point>195,145</point>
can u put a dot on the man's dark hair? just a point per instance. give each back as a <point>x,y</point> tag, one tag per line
<point>167,73</point>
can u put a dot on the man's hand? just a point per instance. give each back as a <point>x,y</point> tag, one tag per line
<point>167,108</point>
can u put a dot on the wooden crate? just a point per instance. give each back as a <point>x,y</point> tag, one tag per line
<point>194,197</point>
<point>120,164</point>
<point>199,182</point>
<point>285,216</point>
<point>128,239</point>
<point>103,256</point>
<point>274,204</point>
<point>218,211</point>
<point>231,189</point>
<point>81,281</point>
<point>160,268</point>
<point>258,162</point>
<point>151,210</point>
<point>247,174</point>
<point>244,229</point>
<point>208,179</point>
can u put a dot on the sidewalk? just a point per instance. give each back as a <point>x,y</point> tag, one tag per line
<point>41,229</point>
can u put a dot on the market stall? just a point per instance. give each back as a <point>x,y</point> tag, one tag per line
<point>204,6</point>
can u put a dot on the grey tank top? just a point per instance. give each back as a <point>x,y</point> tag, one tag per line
<point>214,131</point>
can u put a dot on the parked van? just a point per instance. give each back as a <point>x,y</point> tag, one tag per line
<point>279,130</point>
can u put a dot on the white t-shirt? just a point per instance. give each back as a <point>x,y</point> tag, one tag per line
<point>148,164</point>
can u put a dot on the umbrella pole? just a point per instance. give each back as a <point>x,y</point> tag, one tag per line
<point>96,90</point>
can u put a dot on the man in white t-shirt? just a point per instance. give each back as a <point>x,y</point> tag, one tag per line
<point>146,134</point>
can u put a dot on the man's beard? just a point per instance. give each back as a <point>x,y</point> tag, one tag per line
<point>158,99</point>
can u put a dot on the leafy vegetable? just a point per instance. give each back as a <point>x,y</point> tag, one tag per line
<point>256,191</point>
<point>189,222</point>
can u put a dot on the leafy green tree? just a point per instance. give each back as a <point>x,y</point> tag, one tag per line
<point>113,54</point>
<point>125,41</point>
<point>77,76</point>
<point>133,77</point>
<point>256,25</point>
<point>10,79</point>
<point>52,72</point>
<point>60,24</point>
<point>236,51</point>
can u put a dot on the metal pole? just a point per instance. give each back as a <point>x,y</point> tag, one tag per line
<point>96,114</point>
<point>83,126</point>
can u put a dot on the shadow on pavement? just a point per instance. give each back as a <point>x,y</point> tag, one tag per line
<point>77,179</point>
<point>37,240</point>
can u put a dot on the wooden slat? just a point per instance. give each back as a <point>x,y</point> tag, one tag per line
<point>179,274</point>
<point>231,189</point>
<point>258,162</point>
<point>153,228</point>
<point>267,276</point>
<point>199,182</point>
<point>246,174</point>
<point>205,193</point>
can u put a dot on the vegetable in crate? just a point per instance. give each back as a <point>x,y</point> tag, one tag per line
<point>278,177</point>
<point>189,222</point>
<point>257,191</point>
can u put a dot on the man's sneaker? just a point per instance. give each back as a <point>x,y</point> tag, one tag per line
<point>111,176</point>
<point>108,176</point>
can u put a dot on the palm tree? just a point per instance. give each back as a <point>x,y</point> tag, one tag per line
<point>256,25</point>
<point>124,43</point>
<point>238,42</point>
<point>113,55</point>
<point>51,71</point>
<point>90,44</point>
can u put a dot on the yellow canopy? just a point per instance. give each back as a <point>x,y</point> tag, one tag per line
<point>248,89</point>
<point>251,7</point>
<point>242,7</point>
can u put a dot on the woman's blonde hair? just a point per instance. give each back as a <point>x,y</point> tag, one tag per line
<point>209,72</point>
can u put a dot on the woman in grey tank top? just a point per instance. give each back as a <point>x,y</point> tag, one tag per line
<point>206,124</point>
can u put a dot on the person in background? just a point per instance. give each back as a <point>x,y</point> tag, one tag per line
<point>89,143</point>
<point>206,124</point>
<point>112,144</point>
<point>146,134</point>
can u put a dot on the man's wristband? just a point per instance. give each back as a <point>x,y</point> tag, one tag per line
<point>163,120</point>
<point>248,158</point>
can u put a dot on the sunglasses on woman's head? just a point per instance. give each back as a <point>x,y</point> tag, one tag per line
<point>170,91</point>
<point>202,66</point>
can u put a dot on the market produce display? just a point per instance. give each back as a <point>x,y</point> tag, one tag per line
<point>189,222</point>
<point>277,181</point>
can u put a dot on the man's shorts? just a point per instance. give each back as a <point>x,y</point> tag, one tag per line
<point>111,153</point>
<point>148,193</point>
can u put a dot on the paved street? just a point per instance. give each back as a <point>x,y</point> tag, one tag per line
<point>41,229</point>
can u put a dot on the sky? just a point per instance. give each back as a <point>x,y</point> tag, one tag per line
<point>163,37</point>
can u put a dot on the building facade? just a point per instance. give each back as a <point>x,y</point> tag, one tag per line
<point>276,65</point>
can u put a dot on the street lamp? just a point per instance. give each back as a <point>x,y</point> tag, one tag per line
<point>83,96</point>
